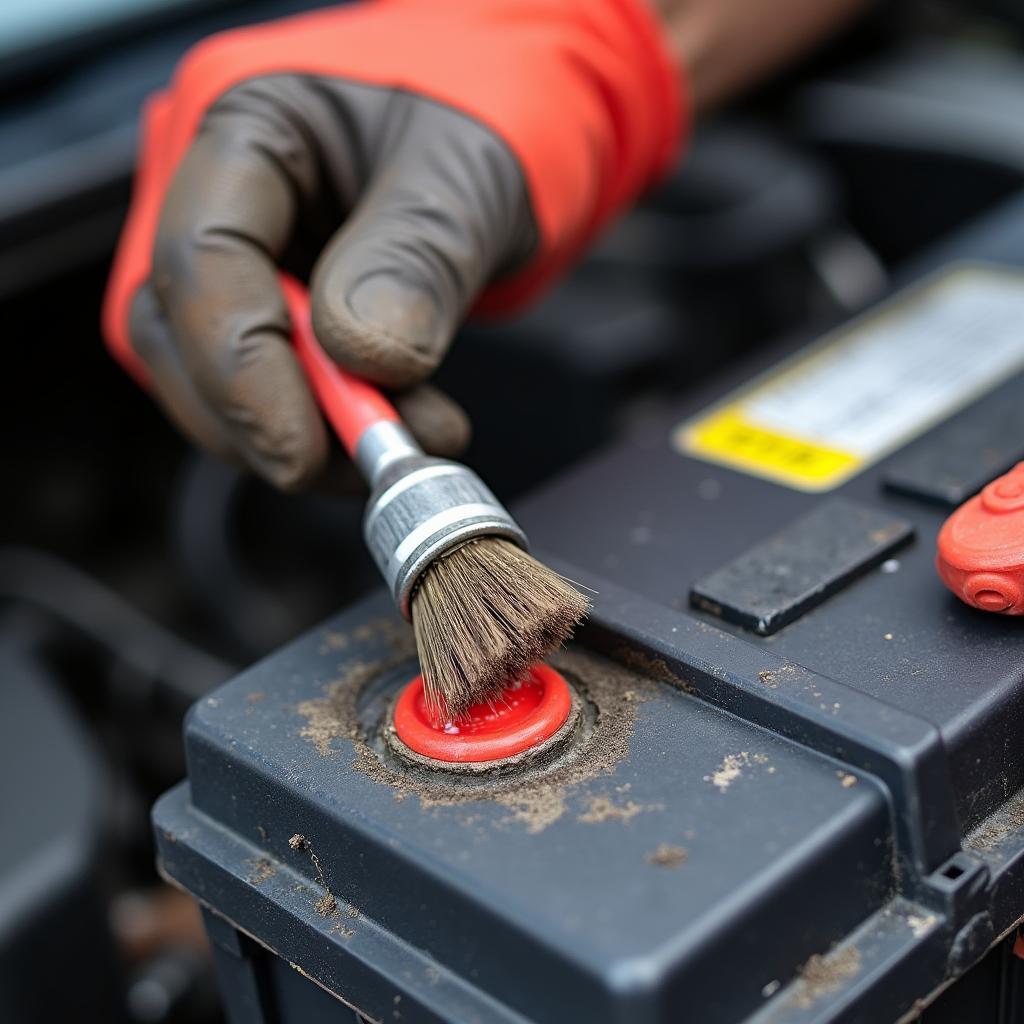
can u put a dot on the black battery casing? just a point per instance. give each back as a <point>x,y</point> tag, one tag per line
<point>825,823</point>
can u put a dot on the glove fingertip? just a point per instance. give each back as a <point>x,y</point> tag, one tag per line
<point>439,423</point>
<point>383,327</point>
<point>292,471</point>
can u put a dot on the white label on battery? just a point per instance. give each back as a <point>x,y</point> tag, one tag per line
<point>867,389</point>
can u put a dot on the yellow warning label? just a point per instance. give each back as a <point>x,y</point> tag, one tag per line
<point>728,436</point>
<point>870,387</point>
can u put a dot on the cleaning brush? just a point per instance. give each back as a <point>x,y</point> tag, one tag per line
<point>483,610</point>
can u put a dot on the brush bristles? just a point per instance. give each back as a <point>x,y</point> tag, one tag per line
<point>482,615</point>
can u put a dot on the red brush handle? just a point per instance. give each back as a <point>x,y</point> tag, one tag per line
<point>350,404</point>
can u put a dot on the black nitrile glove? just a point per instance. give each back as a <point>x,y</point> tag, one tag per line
<point>408,153</point>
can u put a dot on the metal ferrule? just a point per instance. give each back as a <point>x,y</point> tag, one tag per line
<point>421,508</point>
<point>381,447</point>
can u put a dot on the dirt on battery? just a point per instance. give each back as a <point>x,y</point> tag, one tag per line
<point>534,799</point>
<point>823,974</point>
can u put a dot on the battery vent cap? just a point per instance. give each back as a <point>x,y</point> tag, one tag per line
<point>981,547</point>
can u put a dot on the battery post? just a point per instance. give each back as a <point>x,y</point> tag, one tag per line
<point>532,710</point>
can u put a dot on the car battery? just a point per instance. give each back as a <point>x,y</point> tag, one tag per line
<point>790,786</point>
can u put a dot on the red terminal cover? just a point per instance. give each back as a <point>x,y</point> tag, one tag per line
<point>533,710</point>
<point>981,547</point>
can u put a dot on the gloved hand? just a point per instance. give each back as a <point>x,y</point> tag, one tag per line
<point>420,151</point>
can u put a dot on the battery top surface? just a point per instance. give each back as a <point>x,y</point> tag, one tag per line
<point>658,522</point>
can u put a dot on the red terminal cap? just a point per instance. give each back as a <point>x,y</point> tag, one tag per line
<point>533,710</point>
<point>981,547</point>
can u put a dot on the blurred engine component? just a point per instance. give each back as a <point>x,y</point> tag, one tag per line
<point>921,139</point>
<point>54,798</point>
